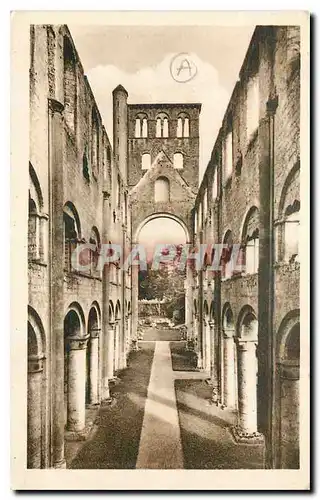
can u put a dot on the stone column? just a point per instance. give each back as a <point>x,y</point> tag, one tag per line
<point>246,430</point>
<point>117,333</point>
<point>134,299</point>
<point>127,346</point>
<point>229,387</point>
<point>104,339</point>
<point>110,352</point>
<point>56,280</point>
<point>213,364</point>
<point>289,416</point>
<point>94,366</point>
<point>208,340</point>
<point>76,383</point>
<point>189,300</point>
<point>35,371</point>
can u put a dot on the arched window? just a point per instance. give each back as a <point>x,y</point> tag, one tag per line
<point>118,197</point>
<point>250,242</point>
<point>144,127</point>
<point>214,186</point>
<point>183,125</point>
<point>179,127</point>
<point>165,131</point>
<point>94,143</point>
<point>205,204</point>
<point>200,221</point>
<point>162,125</point>
<point>141,126</point>
<point>288,224</point>
<point>145,161</point>
<point>107,165</point>
<point>35,220</point>
<point>291,231</point>
<point>161,190</point>
<point>178,160</point>
<point>137,132</point>
<point>69,84</point>
<point>227,263</point>
<point>228,156</point>
<point>253,105</point>
<point>72,234</point>
<point>94,254</point>
<point>186,127</point>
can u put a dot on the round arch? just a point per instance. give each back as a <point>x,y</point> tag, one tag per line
<point>94,318</point>
<point>118,310</point>
<point>164,215</point>
<point>111,312</point>
<point>227,316</point>
<point>212,313</point>
<point>70,210</point>
<point>36,334</point>
<point>195,307</point>
<point>205,309</point>
<point>247,324</point>
<point>249,213</point>
<point>284,338</point>
<point>290,177</point>
<point>73,312</point>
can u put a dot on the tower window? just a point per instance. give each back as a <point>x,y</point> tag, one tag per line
<point>141,126</point>
<point>183,125</point>
<point>162,125</point>
<point>178,160</point>
<point>145,161</point>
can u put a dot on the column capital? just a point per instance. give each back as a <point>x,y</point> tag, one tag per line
<point>211,323</point>
<point>35,363</point>
<point>289,370</point>
<point>246,344</point>
<point>95,332</point>
<point>228,333</point>
<point>44,216</point>
<point>55,106</point>
<point>78,343</point>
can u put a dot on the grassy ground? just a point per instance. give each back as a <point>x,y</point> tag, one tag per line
<point>206,439</point>
<point>167,334</point>
<point>181,359</point>
<point>115,442</point>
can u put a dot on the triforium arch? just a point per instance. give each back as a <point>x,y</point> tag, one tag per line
<point>247,368</point>
<point>288,392</point>
<point>92,364</point>
<point>75,342</point>
<point>36,399</point>
<point>229,370</point>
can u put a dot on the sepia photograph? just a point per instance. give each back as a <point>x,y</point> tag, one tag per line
<point>157,308</point>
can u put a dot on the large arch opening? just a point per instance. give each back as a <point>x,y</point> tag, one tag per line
<point>161,281</point>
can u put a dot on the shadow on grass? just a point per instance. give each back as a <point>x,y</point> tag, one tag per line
<point>182,360</point>
<point>115,444</point>
<point>206,440</point>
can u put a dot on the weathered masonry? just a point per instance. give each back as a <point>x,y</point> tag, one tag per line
<point>245,325</point>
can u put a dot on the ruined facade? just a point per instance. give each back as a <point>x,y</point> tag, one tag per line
<point>248,320</point>
<point>84,190</point>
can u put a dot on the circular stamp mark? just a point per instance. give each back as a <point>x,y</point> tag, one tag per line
<point>183,68</point>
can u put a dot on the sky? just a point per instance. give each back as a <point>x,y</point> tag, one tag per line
<point>139,58</point>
